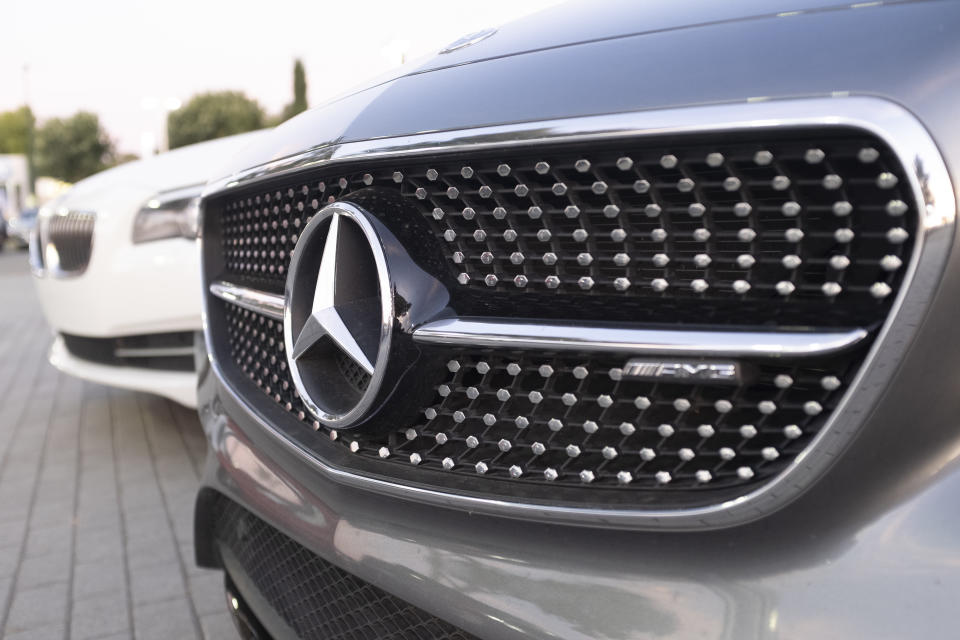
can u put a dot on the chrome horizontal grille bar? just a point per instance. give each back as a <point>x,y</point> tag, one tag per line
<point>517,334</point>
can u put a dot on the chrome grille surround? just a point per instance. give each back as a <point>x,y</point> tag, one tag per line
<point>935,209</point>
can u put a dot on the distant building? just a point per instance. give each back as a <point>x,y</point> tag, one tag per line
<point>14,184</point>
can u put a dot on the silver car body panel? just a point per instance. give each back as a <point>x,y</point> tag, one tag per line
<point>869,550</point>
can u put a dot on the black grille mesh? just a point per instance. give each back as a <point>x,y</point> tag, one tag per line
<point>511,403</point>
<point>765,224</point>
<point>316,598</point>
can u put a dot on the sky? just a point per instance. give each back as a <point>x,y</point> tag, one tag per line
<point>120,58</point>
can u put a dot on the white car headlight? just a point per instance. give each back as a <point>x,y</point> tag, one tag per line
<point>168,215</point>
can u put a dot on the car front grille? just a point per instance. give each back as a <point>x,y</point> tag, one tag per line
<point>68,242</point>
<point>794,229</point>
<point>315,598</point>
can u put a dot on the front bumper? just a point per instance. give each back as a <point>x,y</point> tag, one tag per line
<point>179,386</point>
<point>837,563</point>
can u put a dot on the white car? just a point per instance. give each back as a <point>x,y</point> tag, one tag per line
<point>116,269</point>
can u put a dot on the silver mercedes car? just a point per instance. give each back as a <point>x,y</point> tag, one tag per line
<point>625,320</point>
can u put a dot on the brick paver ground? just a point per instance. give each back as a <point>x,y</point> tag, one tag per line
<point>96,498</point>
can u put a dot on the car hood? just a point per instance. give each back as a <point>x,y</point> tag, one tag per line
<point>616,56</point>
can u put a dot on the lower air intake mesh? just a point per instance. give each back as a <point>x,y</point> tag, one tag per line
<point>317,599</point>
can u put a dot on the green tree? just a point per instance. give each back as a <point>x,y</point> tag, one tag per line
<point>72,148</point>
<point>16,130</point>
<point>299,104</point>
<point>213,115</point>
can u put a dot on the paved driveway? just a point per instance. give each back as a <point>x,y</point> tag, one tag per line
<point>96,498</point>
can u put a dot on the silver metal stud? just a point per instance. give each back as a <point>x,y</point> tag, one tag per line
<point>896,208</point>
<point>542,168</point>
<point>466,172</point>
<point>844,235</point>
<point>624,163</point>
<point>627,428</point>
<point>831,182</point>
<point>503,395</point>
<point>812,408</point>
<point>744,473</point>
<point>458,257</point>
<point>668,161</point>
<point>459,416</point>
<point>415,458</point>
<point>504,445</point>
<point>785,287</point>
<point>703,476</point>
<point>659,285</point>
<point>397,177</point>
<point>681,404</point>
<point>599,187</point>
<point>880,290</point>
<point>624,477</point>
<point>515,471</point>
<point>443,390</point>
<point>571,211</point>
<point>701,234</point>
<point>590,426</point>
<point>814,156</point>
<point>538,448</point>
<point>503,170</point>
<point>585,282</point>
<point>696,210</point>
<point>618,235</point>
<point>742,209</point>
<point>621,284</point>
<point>453,193</point>
<point>582,165</point>
<point>780,183</point>
<point>897,235</point>
<point>766,407</point>
<point>726,453</point>
<point>580,235</point>
<point>706,431</point>
<point>763,158</point>
<point>544,235</point>
<point>383,452</point>
<point>573,450</point>
<point>621,259</point>
<point>481,467</point>
<point>641,186</point>
<point>642,402</point>
<point>769,454</point>
<point>830,383</point>
<point>741,286</point>
<point>793,235</point>
<point>792,432</point>
<point>551,282</point>
<point>510,235</point>
<point>549,258</point>
<point>699,285</point>
<point>685,185</point>
<point>479,235</point>
<point>354,446</point>
<point>748,431</point>
<point>473,442</point>
<point>535,397</point>
<point>663,477</point>
<point>647,454</point>
<point>448,463</point>
<point>584,259</point>
<point>746,235</point>
<point>587,476</point>
<point>714,159</point>
<point>555,424</point>
<point>520,281</point>
<point>580,372</point>
<point>732,183</point>
<point>498,212</point>
<point>887,180</point>
<point>652,210</point>
<point>686,454</point>
<point>791,261</point>
<point>550,474</point>
<point>441,438</point>
<point>890,263</point>
<point>485,191</point>
<point>660,260</point>
<point>486,257</point>
<point>665,430</point>
<point>513,369</point>
<point>702,260</point>
<point>421,193</point>
<point>604,401</point>
<point>783,381</point>
<point>453,366</point>
<point>534,212</point>
<point>657,235</point>
<point>839,262</point>
<point>431,413</point>
<point>790,209</point>
<point>842,208</point>
<point>432,175</point>
<point>831,289</point>
<point>490,280</point>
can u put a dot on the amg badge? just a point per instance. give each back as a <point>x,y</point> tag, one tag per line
<point>678,371</point>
